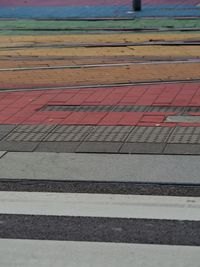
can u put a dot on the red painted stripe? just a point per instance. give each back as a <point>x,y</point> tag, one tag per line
<point>23,107</point>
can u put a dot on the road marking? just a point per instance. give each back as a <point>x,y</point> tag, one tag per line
<point>100,205</point>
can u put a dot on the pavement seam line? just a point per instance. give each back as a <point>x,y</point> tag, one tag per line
<point>95,86</point>
<point>5,152</point>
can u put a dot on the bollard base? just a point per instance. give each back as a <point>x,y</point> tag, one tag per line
<point>137,6</point>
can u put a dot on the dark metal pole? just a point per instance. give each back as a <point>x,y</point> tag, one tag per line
<point>137,5</point>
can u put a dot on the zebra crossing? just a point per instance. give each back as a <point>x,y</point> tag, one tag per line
<point>42,225</point>
<point>99,210</point>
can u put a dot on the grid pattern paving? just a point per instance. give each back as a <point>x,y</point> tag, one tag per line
<point>109,134</point>
<point>29,133</point>
<point>149,134</point>
<point>25,137</point>
<point>82,133</point>
<point>101,139</point>
<point>119,108</point>
<point>68,133</point>
<point>185,135</point>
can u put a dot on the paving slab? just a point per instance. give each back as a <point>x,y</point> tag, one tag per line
<point>62,147</point>
<point>99,147</point>
<point>143,148</point>
<point>2,153</point>
<point>103,138</point>
<point>181,149</point>
<point>102,167</point>
<point>18,146</point>
<point>186,119</point>
<point>41,253</point>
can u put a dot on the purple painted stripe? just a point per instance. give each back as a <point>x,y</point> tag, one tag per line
<point>26,3</point>
<point>171,2</point>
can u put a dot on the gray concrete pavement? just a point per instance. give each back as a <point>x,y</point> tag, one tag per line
<point>31,253</point>
<point>2,153</point>
<point>101,167</point>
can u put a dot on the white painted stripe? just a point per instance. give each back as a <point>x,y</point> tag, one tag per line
<point>100,205</point>
<point>32,253</point>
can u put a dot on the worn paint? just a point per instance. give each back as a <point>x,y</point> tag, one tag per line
<point>95,76</point>
<point>97,38</point>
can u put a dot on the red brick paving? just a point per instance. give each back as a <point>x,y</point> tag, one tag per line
<point>23,107</point>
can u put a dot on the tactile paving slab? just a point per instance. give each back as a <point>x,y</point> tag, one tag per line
<point>167,109</point>
<point>109,134</point>
<point>34,128</point>
<point>130,108</point>
<point>185,135</point>
<point>5,130</point>
<point>65,137</point>
<point>187,130</point>
<point>73,128</point>
<point>102,139</point>
<point>29,133</point>
<point>25,137</point>
<point>119,108</point>
<point>71,133</point>
<point>149,134</point>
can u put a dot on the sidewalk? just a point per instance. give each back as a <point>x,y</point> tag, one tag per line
<point>94,92</point>
<point>160,118</point>
<point>111,87</point>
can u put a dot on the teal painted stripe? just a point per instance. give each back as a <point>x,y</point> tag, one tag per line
<point>93,12</point>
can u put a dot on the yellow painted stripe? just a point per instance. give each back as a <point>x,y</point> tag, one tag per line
<point>104,75</point>
<point>95,38</point>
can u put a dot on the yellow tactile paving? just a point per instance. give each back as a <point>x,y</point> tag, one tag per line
<point>97,38</point>
<point>106,75</point>
<point>138,51</point>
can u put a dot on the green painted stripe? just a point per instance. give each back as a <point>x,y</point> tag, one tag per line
<point>137,23</point>
<point>33,33</point>
<point>16,33</point>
